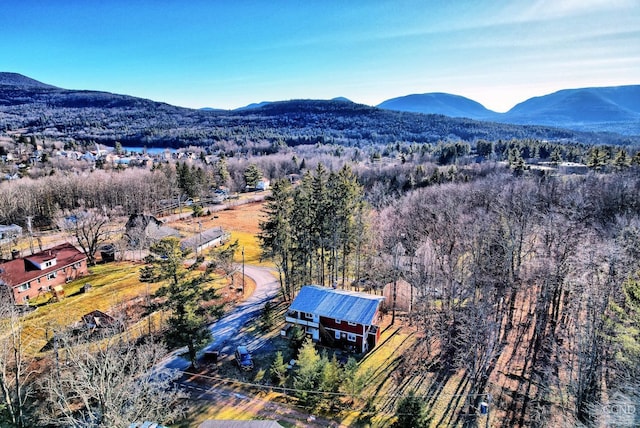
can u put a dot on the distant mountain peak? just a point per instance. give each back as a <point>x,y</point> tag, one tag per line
<point>613,108</point>
<point>438,103</point>
<point>18,80</point>
<point>341,99</point>
<point>254,105</point>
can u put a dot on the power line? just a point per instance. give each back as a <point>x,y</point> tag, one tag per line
<point>284,389</point>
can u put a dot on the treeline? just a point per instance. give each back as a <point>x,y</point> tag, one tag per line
<point>527,287</point>
<point>385,173</point>
<point>124,191</point>
<point>313,231</point>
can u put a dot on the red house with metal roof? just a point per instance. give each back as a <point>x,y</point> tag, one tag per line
<point>337,318</point>
<point>27,277</point>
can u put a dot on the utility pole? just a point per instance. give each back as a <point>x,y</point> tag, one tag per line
<point>30,233</point>
<point>396,263</point>
<point>243,270</point>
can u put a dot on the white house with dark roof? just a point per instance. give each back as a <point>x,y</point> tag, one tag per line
<point>337,318</point>
<point>205,239</point>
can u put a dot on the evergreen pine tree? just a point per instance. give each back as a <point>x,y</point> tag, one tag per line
<point>306,379</point>
<point>278,370</point>
<point>410,413</point>
<point>183,295</point>
<point>252,175</point>
<point>621,161</point>
<point>275,231</point>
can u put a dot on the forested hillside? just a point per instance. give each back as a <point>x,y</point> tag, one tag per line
<point>520,243</point>
<point>84,116</point>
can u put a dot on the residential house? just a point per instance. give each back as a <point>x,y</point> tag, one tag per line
<point>27,277</point>
<point>263,184</point>
<point>405,295</point>
<point>142,230</point>
<point>337,318</point>
<point>573,168</point>
<point>205,239</point>
<point>8,233</point>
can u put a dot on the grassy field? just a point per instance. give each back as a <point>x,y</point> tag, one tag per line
<point>116,285</point>
<point>112,285</point>
<point>242,221</point>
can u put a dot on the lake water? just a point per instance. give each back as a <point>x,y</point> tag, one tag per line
<point>150,150</point>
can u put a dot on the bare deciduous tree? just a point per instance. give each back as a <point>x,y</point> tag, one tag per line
<point>89,228</point>
<point>114,383</point>
<point>15,371</point>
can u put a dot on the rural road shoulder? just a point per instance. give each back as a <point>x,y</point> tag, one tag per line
<point>227,327</point>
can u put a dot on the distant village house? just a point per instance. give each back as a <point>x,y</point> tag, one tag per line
<point>9,233</point>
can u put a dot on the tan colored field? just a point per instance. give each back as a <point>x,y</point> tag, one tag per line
<point>243,221</point>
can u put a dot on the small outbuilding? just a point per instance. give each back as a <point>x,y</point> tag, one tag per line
<point>142,230</point>
<point>205,239</point>
<point>98,319</point>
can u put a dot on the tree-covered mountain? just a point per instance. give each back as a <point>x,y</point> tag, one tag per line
<point>39,109</point>
<point>607,109</point>
<point>614,108</point>
<point>20,81</point>
<point>439,103</point>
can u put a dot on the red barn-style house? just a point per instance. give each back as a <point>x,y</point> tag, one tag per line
<point>29,276</point>
<point>337,318</point>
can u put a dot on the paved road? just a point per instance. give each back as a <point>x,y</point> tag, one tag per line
<point>226,328</point>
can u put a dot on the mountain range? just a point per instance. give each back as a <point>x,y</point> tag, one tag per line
<point>31,107</point>
<point>605,109</point>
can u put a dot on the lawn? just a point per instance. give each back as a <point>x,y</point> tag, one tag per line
<point>112,284</point>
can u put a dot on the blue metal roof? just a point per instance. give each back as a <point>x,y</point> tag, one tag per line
<point>342,305</point>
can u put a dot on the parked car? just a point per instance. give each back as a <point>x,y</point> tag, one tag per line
<point>243,358</point>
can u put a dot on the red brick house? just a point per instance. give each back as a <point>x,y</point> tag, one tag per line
<point>27,277</point>
<point>337,318</point>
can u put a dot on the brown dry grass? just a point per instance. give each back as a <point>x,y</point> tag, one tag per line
<point>242,221</point>
<point>113,285</point>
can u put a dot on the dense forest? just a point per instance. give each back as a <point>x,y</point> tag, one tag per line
<point>529,286</point>
<point>526,286</point>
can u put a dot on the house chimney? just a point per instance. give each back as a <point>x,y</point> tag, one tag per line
<point>15,254</point>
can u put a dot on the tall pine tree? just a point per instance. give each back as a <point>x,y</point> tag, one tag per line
<point>183,295</point>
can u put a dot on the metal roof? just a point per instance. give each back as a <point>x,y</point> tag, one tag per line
<point>202,238</point>
<point>342,305</point>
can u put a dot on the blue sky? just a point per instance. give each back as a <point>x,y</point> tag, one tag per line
<point>227,54</point>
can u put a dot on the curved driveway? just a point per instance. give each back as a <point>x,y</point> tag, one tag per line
<point>227,327</point>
